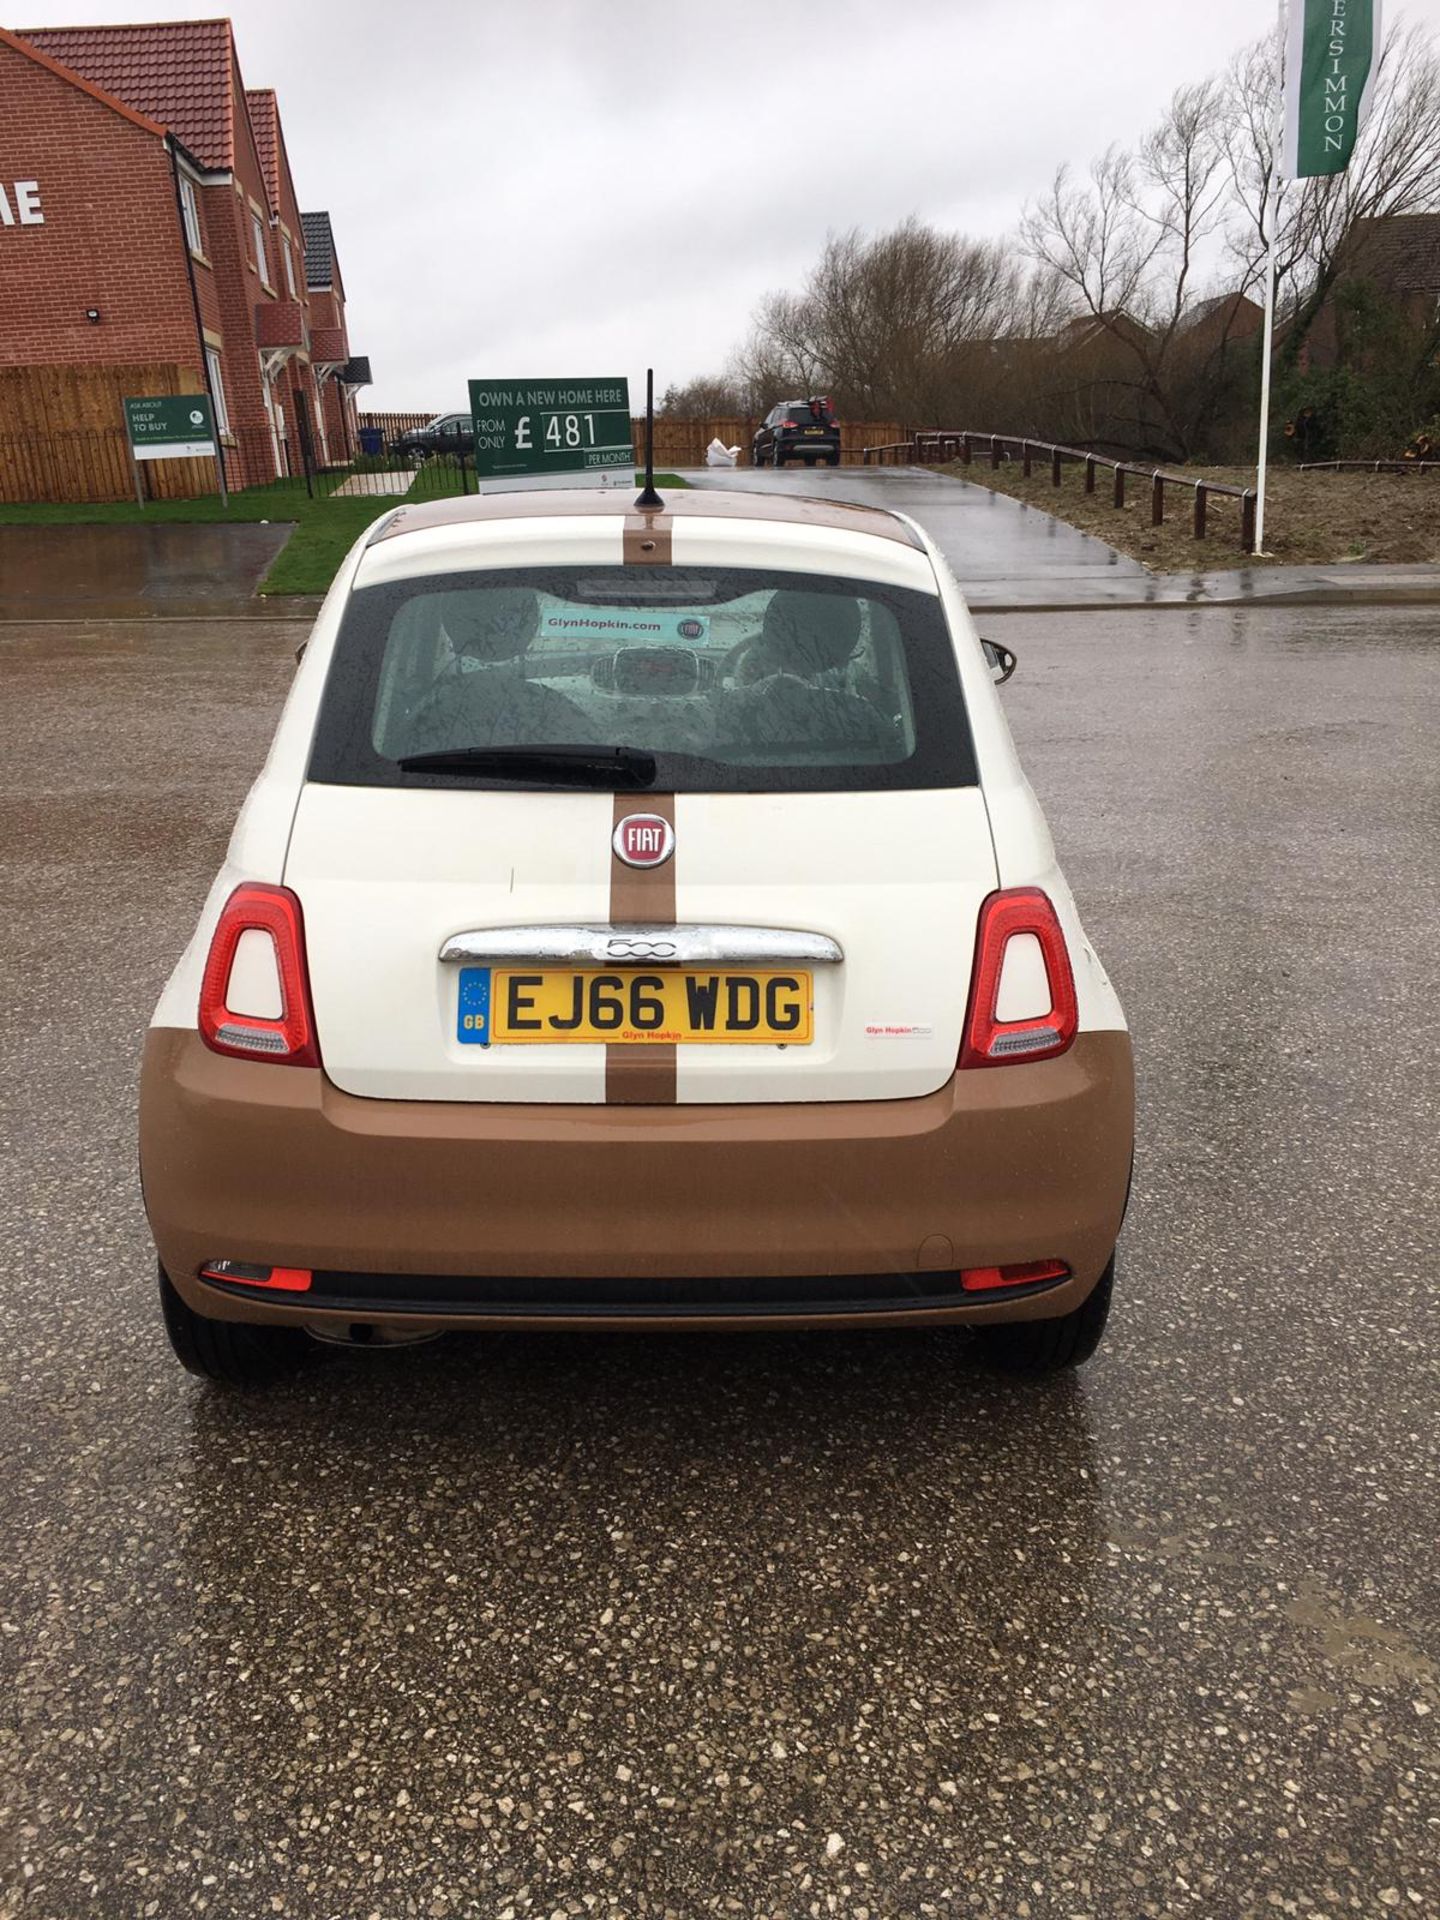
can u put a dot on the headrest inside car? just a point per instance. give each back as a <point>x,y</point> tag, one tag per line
<point>808,633</point>
<point>495,623</point>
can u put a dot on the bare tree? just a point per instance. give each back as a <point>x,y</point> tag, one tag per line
<point>1126,313</point>
<point>1126,243</point>
<point>887,325</point>
<point>1319,223</point>
<point>782,349</point>
<point>712,397</point>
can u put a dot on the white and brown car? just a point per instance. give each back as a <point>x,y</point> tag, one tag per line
<point>641,919</point>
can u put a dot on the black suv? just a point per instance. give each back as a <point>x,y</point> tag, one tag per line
<point>798,430</point>
<point>446,433</point>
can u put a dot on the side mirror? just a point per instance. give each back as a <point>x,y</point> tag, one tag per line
<point>1001,661</point>
<point>300,651</point>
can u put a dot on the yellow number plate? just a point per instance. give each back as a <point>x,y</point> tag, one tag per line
<point>652,1009</point>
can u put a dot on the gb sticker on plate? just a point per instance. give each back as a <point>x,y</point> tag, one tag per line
<point>473,1029</point>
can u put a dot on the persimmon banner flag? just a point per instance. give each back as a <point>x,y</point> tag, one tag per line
<point>1330,60</point>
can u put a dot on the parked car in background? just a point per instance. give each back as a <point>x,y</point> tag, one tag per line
<point>798,430</point>
<point>446,433</point>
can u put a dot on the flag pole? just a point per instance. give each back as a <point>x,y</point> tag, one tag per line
<point>1269,333</point>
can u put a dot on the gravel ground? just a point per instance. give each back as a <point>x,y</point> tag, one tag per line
<point>764,1626</point>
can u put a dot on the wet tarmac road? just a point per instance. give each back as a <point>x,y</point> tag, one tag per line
<point>1001,548</point>
<point>768,1626</point>
<point>1012,557</point>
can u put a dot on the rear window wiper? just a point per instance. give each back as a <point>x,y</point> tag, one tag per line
<point>582,766</point>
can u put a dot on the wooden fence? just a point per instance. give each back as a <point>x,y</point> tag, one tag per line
<point>682,443</point>
<point>1370,466</point>
<point>62,434</point>
<point>392,425</point>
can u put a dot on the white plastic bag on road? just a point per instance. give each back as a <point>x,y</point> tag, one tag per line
<point>717,454</point>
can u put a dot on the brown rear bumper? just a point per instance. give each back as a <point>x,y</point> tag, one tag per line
<point>274,1165</point>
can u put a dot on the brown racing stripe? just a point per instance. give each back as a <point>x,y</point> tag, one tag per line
<point>641,1076</point>
<point>647,538</point>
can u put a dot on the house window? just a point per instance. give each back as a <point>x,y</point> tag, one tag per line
<point>217,389</point>
<point>289,265</point>
<point>262,265</point>
<point>190,214</point>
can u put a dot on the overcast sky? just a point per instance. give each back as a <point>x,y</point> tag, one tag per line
<point>526,188</point>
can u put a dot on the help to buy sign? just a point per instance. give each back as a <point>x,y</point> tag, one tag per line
<point>172,426</point>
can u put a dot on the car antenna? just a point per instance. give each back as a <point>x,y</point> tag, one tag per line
<point>648,496</point>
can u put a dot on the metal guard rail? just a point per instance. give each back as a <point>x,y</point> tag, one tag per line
<point>1370,466</point>
<point>934,448</point>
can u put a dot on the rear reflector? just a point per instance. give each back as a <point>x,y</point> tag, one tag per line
<point>289,1037</point>
<point>1027,1273</point>
<point>1025,916</point>
<point>239,1273</point>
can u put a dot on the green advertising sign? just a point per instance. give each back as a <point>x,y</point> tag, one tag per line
<point>170,426</point>
<point>1329,65</point>
<point>550,426</point>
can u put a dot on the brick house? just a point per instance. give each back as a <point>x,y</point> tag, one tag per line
<point>1222,321</point>
<point>164,241</point>
<point>1398,255</point>
<point>1400,252</point>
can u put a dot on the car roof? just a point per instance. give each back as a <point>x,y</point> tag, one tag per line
<point>698,503</point>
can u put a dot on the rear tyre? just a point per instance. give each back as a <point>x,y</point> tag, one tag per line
<point>230,1351</point>
<point>834,460</point>
<point>1048,1346</point>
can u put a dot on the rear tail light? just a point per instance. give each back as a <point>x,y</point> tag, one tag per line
<point>285,1031</point>
<point>1022,1028</point>
<point>1025,1273</point>
<point>240,1273</point>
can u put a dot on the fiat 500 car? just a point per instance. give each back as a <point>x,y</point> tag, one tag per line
<point>641,919</point>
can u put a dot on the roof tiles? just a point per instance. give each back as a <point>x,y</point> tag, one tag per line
<point>177,71</point>
<point>319,250</point>
<point>1402,250</point>
<point>265,123</point>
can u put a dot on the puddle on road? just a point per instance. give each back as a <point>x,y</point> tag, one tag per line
<point>1370,1654</point>
<point>111,566</point>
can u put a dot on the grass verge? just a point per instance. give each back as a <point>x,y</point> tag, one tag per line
<point>1310,518</point>
<point>324,527</point>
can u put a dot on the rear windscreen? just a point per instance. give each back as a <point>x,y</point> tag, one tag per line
<point>734,680</point>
